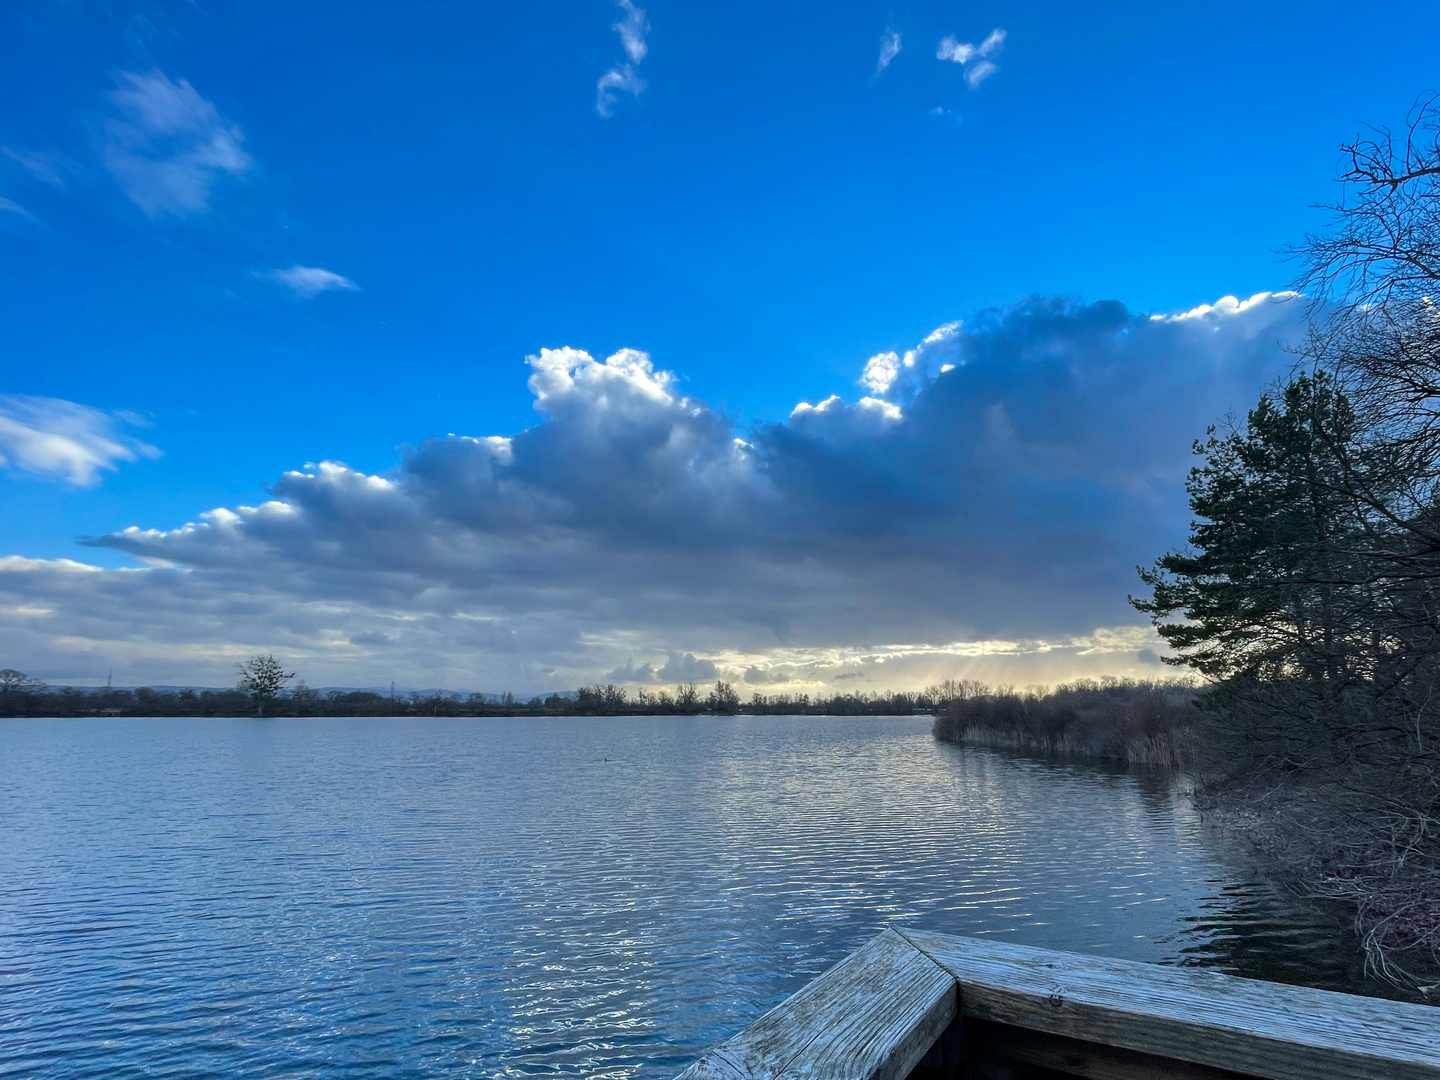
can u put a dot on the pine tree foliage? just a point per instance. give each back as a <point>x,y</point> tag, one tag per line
<point>1274,584</point>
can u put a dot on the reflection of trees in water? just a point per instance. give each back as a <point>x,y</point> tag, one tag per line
<point>1247,924</point>
<point>1257,930</point>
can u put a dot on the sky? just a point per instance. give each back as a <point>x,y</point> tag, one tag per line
<point>812,346</point>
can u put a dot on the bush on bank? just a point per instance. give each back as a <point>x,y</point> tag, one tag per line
<point>1134,722</point>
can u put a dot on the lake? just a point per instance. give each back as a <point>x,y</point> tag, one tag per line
<point>602,897</point>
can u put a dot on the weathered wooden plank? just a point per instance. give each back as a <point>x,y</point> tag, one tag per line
<point>877,1040</point>
<point>714,1066</point>
<point>1255,1028</point>
<point>870,1017</point>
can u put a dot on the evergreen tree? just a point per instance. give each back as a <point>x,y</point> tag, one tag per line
<point>1275,585</point>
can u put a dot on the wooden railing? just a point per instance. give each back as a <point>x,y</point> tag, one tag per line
<point>925,1005</point>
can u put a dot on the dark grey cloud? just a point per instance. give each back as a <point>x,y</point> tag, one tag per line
<point>996,484</point>
<point>765,676</point>
<point>685,667</point>
<point>630,672</point>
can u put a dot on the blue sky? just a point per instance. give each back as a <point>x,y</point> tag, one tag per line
<point>771,210</point>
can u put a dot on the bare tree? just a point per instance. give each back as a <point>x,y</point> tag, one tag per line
<point>262,677</point>
<point>1373,279</point>
<point>1383,244</point>
<point>723,699</point>
<point>945,691</point>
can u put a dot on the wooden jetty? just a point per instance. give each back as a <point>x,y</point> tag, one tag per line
<point>926,1006</point>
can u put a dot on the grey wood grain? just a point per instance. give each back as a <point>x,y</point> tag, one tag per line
<point>870,1017</point>
<point>1257,1028</point>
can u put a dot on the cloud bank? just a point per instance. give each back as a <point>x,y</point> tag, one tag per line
<point>60,440</point>
<point>977,509</point>
<point>169,146</point>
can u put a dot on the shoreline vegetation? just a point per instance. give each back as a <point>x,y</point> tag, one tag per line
<point>1323,833</point>
<point>1147,723</point>
<point>263,691</point>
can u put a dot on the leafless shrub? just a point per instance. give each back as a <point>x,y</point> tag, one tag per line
<point>1149,723</point>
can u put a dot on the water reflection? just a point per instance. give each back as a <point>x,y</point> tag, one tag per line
<point>515,898</point>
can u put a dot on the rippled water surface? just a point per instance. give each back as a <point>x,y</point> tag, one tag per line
<point>606,897</point>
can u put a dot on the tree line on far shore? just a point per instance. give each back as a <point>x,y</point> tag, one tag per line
<point>265,689</point>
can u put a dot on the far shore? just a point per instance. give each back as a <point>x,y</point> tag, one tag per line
<point>31,698</point>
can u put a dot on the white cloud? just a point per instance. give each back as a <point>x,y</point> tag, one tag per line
<point>975,74</point>
<point>17,563</point>
<point>632,30</point>
<point>170,146</point>
<point>309,281</point>
<point>976,59</point>
<point>61,440</point>
<point>981,508</point>
<point>619,78</point>
<point>889,49</point>
<point>1219,314</point>
<point>954,51</point>
<point>46,167</point>
<point>623,78</point>
<point>892,376</point>
<point>7,206</point>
